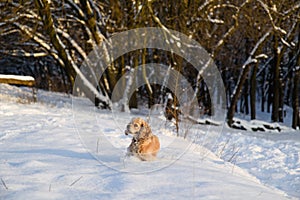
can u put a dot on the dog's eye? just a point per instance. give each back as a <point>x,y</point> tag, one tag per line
<point>135,125</point>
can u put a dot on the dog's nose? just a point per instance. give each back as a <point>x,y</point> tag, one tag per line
<point>126,131</point>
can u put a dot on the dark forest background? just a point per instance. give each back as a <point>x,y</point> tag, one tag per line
<point>254,43</point>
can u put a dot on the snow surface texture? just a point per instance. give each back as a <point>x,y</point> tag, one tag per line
<point>43,157</point>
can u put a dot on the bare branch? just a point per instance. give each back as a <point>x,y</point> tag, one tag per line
<point>232,29</point>
<point>276,28</point>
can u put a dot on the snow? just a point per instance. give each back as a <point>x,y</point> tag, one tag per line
<point>16,77</point>
<point>45,155</point>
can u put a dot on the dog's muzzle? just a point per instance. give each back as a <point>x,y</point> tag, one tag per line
<point>127,130</point>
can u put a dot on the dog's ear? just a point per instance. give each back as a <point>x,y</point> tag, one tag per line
<point>145,131</point>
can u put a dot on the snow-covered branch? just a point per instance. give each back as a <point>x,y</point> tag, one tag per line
<point>37,38</point>
<point>219,6</point>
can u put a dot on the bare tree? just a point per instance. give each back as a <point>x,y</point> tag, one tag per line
<point>242,77</point>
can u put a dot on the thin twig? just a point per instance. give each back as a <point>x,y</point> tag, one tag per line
<point>3,183</point>
<point>76,181</point>
<point>231,159</point>
<point>97,150</point>
<point>223,148</point>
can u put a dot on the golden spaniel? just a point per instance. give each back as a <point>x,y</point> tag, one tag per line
<point>144,144</point>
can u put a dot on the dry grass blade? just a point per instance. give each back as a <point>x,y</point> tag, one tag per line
<point>3,183</point>
<point>76,181</point>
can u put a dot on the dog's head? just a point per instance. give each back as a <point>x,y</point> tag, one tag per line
<point>139,128</point>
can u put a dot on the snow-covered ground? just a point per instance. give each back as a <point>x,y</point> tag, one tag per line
<point>58,149</point>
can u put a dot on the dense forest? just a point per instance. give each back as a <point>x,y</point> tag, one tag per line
<point>254,43</point>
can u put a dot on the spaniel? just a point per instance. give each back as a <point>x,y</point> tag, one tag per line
<point>144,145</point>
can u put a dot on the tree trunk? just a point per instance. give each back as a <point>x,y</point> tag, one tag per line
<point>281,101</point>
<point>91,21</point>
<point>133,103</point>
<point>253,92</point>
<point>276,81</point>
<point>263,97</point>
<point>295,103</point>
<point>236,93</point>
<point>148,85</point>
<point>296,117</point>
<point>246,98</point>
<point>269,94</point>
